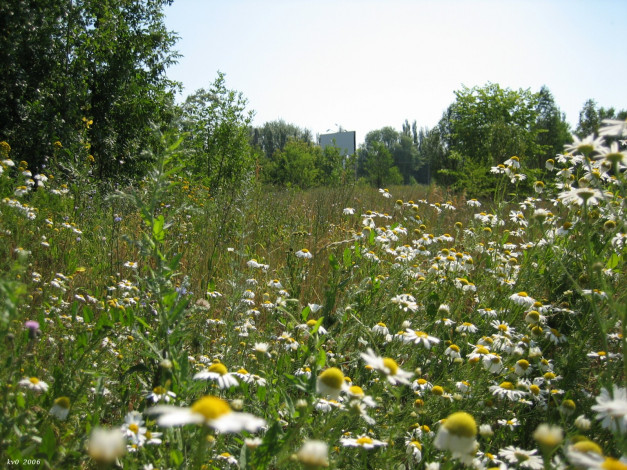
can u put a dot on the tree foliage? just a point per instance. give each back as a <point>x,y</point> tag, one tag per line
<point>216,124</point>
<point>66,63</point>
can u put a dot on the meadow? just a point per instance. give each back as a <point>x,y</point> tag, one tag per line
<point>161,325</point>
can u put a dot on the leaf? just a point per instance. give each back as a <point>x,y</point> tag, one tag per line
<point>48,444</point>
<point>314,329</point>
<point>333,261</point>
<point>176,458</point>
<point>613,261</point>
<point>305,313</point>
<point>157,228</point>
<point>321,359</point>
<point>348,258</point>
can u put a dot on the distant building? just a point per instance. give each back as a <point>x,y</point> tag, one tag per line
<point>344,141</point>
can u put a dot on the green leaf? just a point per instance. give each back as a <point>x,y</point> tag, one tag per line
<point>305,313</point>
<point>333,261</point>
<point>48,444</point>
<point>157,228</point>
<point>348,258</point>
<point>321,358</point>
<point>176,458</point>
<point>613,261</point>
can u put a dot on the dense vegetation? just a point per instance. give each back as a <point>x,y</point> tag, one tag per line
<point>180,289</point>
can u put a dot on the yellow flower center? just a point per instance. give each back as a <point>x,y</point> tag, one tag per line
<point>242,371</point>
<point>34,380</point>
<point>461,424</point>
<point>437,390</point>
<point>534,389</point>
<point>218,368</point>
<point>364,440</point>
<point>522,294</point>
<point>416,444</point>
<point>311,323</point>
<point>507,385</point>
<point>159,390</point>
<point>391,365</point>
<point>587,446</point>
<point>356,391</point>
<point>133,428</point>
<point>63,402</point>
<point>523,364</point>
<point>211,407</point>
<point>613,464</point>
<point>332,377</point>
<point>381,324</point>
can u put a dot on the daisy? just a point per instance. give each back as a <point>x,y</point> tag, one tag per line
<point>453,352</point>
<point>506,390</point>
<point>419,337</point>
<point>348,211</point>
<point>466,327</point>
<point>160,393</point>
<point>61,408</point>
<point>210,411</point>
<point>457,435</point>
<point>381,329</point>
<point>581,196</point>
<point>414,448</point>
<point>34,384</point>
<point>364,442</point>
<point>106,445</point>
<point>331,383</point>
<point>617,127</point>
<point>612,409</point>
<point>385,193</point>
<point>220,374</point>
<point>548,436</point>
<point>524,458</point>
<point>387,366</point>
<point>304,253</point>
<point>314,453</point>
<point>522,298</point>
<point>586,145</point>
<point>510,423</point>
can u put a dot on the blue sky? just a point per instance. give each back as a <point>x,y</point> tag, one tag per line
<point>368,64</point>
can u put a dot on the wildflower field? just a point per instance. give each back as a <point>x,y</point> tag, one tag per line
<point>158,326</point>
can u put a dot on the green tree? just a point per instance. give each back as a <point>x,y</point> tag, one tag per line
<point>378,165</point>
<point>70,62</point>
<point>553,130</point>
<point>274,135</point>
<point>490,124</point>
<point>591,118</point>
<point>295,165</point>
<point>217,124</point>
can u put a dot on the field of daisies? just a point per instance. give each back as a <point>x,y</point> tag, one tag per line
<point>158,326</point>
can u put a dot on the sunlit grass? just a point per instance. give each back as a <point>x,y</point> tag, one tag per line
<point>163,326</point>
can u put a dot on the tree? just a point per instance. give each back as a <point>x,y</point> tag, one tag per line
<point>70,62</point>
<point>217,123</point>
<point>490,124</point>
<point>378,165</point>
<point>274,135</point>
<point>553,130</point>
<point>591,118</point>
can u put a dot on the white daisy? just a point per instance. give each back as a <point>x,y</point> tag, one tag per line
<point>210,411</point>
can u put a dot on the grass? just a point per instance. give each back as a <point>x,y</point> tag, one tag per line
<point>511,313</point>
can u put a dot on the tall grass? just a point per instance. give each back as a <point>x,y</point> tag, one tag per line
<point>121,311</point>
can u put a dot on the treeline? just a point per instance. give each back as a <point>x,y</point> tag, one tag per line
<point>84,89</point>
<point>481,129</point>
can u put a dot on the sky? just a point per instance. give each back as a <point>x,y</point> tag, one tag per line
<point>365,64</point>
